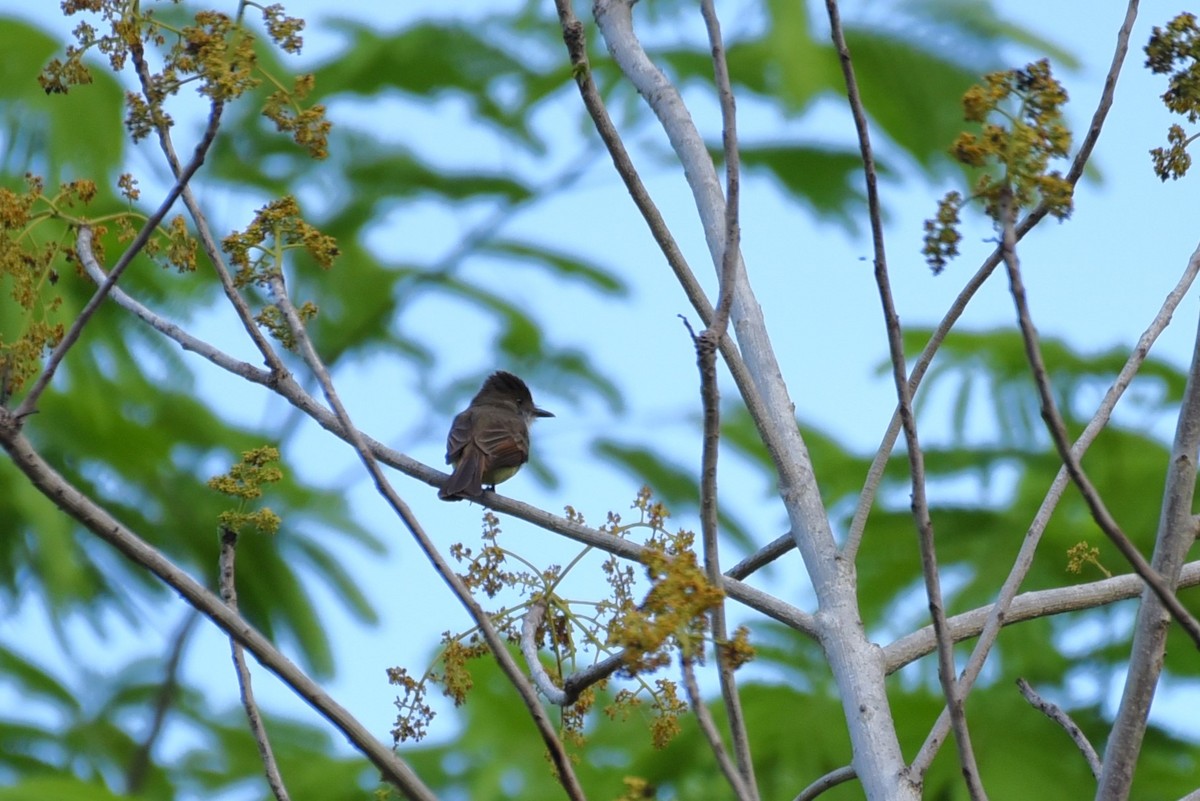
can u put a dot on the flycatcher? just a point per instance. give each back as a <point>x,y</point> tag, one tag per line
<point>489,440</point>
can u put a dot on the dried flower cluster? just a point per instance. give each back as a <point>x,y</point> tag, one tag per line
<point>671,620</point>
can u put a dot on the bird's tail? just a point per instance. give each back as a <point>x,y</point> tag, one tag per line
<point>467,479</point>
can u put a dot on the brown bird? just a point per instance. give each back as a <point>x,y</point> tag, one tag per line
<point>489,440</point>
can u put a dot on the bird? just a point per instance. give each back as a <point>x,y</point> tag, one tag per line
<point>489,440</point>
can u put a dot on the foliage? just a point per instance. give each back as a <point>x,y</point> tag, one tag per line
<point>1019,146</point>
<point>1175,51</point>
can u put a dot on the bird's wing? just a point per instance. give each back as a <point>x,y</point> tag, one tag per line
<point>459,436</point>
<point>503,446</point>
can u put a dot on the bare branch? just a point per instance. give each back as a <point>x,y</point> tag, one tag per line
<point>96,520</point>
<point>1026,606</point>
<point>227,572</point>
<point>1059,716</point>
<point>87,257</point>
<point>708,728</point>
<point>558,754</point>
<point>576,683</point>
<point>706,347</point>
<point>875,473</point>
<point>999,614</point>
<point>1176,534</point>
<point>763,556</point>
<point>947,673</point>
<point>530,622</point>
<point>830,780</point>
<point>1058,433</point>
<point>733,230</point>
<point>29,403</point>
<point>711,401</point>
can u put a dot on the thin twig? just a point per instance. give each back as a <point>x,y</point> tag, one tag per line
<point>875,474</point>
<point>576,42</point>
<point>763,556</point>
<point>1059,716</point>
<point>576,683</point>
<point>98,521</point>
<point>708,728</point>
<point>830,780</point>
<point>947,673</point>
<point>558,754</point>
<point>258,730</point>
<point>1058,433</point>
<point>710,394</point>
<point>29,403</point>
<point>998,616</point>
<point>530,621</point>
<point>87,257</point>
<point>135,776</point>
<point>1176,535</point>
<point>208,242</point>
<point>733,162</point>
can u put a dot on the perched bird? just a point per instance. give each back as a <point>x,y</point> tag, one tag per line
<point>489,440</point>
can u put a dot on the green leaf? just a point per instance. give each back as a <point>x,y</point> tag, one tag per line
<point>36,684</point>
<point>60,788</point>
<point>42,133</point>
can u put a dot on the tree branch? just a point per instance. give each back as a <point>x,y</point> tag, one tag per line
<point>708,728</point>
<point>530,622</point>
<point>576,42</point>
<point>1026,606</point>
<point>558,754</point>
<point>1059,716</point>
<point>830,780</point>
<point>998,616</point>
<point>1058,433</point>
<point>763,556</point>
<point>1176,534</point>
<point>947,673</point>
<point>227,562</point>
<point>87,257</point>
<point>95,519</point>
<point>207,241</point>
<point>853,660</point>
<point>710,394</point>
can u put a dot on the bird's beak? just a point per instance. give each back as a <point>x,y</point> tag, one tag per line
<point>541,412</point>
